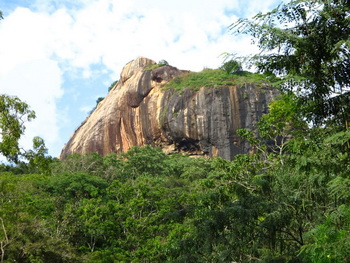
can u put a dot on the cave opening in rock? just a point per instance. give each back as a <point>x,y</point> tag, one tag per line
<point>188,145</point>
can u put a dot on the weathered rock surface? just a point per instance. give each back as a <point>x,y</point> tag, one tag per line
<point>137,111</point>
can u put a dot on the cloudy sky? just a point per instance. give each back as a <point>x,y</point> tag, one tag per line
<point>59,56</point>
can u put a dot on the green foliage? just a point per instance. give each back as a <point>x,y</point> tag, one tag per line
<point>13,114</point>
<point>105,167</point>
<point>306,43</point>
<point>330,241</point>
<point>214,78</point>
<point>19,168</point>
<point>144,161</point>
<point>27,227</point>
<point>114,83</point>
<point>161,63</point>
<point>99,100</point>
<point>75,186</point>
<point>232,66</point>
<point>127,219</point>
<point>152,67</point>
<point>39,161</point>
<point>145,206</point>
<point>286,201</point>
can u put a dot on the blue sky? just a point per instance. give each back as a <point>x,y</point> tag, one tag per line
<point>59,56</point>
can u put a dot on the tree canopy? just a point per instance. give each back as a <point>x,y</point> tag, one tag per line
<point>307,44</point>
<point>13,115</point>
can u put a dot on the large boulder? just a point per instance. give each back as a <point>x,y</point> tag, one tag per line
<point>138,111</point>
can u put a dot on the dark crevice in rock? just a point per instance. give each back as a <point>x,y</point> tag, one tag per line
<point>188,145</point>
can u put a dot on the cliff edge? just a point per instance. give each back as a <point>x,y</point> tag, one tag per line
<point>138,111</point>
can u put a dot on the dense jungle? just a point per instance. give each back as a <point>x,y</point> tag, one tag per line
<point>288,200</point>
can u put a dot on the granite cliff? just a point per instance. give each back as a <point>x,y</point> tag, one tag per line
<point>138,111</point>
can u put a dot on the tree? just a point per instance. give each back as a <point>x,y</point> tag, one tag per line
<point>38,159</point>
<point>114,83</point>
<point>13,114</point>
<point>232,66</point>
<point>307,43</point>
<point>163,62</point>
<point>28,231</point>
<point>99,99</point>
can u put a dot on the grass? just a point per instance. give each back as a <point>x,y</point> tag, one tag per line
<point>215,78</point>
<point>154,66</point>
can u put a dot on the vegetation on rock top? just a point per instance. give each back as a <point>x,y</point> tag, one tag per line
<point>215,78</point>
<point>161,63</point>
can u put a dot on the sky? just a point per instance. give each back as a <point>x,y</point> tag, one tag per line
<point>59,56</point>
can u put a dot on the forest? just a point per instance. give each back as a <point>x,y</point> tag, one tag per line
<point>286,201</point>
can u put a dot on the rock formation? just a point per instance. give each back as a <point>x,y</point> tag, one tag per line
<point>138,111</point>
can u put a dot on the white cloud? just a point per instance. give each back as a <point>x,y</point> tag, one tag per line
<point>86,109</point>
<point>28,72</point>
<point>40,45</point>
<point>38,83</point>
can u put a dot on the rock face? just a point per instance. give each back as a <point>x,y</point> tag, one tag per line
<point>137,111</point>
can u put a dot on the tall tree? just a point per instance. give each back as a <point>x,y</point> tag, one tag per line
<point>307,43</point>
<point>13,114</point>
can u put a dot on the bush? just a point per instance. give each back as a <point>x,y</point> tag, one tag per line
<point>232,66</point>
